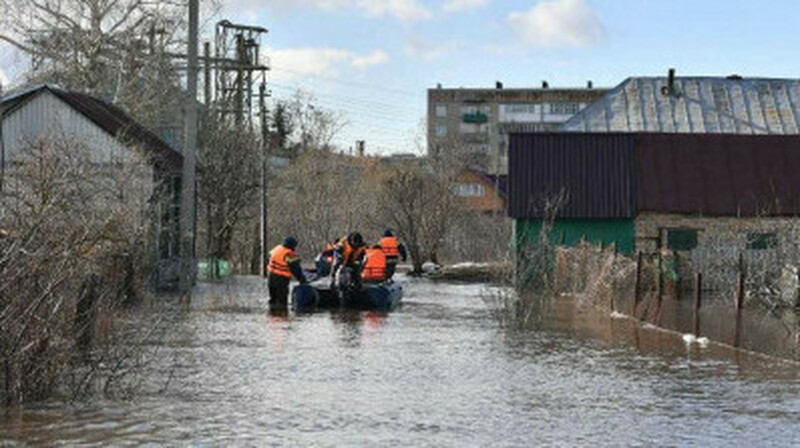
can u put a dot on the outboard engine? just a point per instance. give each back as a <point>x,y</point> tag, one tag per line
<point>348,283</point>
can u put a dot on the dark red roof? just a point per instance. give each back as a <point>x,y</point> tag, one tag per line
<point>109,118</point>
<point>619,175</point>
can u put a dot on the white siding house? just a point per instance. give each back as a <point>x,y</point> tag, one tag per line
<point>109,135</point>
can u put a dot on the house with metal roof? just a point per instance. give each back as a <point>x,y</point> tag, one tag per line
<point>715,105</point>
<point>696,195</point>
<point>110,136</point>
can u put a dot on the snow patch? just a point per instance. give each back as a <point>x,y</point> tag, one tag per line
<point>692,339</point>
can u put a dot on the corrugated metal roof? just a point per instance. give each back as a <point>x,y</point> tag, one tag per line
<point>730,105</point>
<point>595,172</point>
<point>106,116</point>
<point>613,175</point>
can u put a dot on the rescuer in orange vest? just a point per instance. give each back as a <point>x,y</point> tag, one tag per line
<point>374,265</point>
<point>283,264</point>
<point>349,253</point>
<point>393,250</point>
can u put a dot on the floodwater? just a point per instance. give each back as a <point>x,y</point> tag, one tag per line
<point>440,371</point>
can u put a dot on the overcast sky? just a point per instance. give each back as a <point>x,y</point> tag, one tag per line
<point>374,59</point>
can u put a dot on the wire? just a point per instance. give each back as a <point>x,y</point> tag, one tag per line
<point>350,83</point>
<point>352,99</point>
<point>367,115</point>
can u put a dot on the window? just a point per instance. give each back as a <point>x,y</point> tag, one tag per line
<point>762,240</point>
<point>521,108</point>
<point>470,190</point>
<point>441,110</point>
<point>474,128</point>
<point>564,108</point>
<point>681,239</point>
<point>479,149</point>
<point>486,110</point>
<point>441,130</point>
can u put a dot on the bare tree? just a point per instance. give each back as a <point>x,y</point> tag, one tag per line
<point>315,127</point>
<point>321,197</point>
<point>118,50</point>
<point>416,199</point>
<point>77,247</point>
<point>229,162</point>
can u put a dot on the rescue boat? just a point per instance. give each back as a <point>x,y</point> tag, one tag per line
<point>369,296</point>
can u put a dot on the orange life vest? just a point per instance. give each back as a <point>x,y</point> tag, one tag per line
<point>390,247</point>
<point>350,256</point>
<point>279,259</point>
<point>374,266</point>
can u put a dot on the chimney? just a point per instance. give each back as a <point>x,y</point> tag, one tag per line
<point>498,85</point>
<point>545,85</point>
<point>589,85</point>
<point>669,89</point>
<point>438,85</point>
<point>360,148</point>
<point>671,80</point>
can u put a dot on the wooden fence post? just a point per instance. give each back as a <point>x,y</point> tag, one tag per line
<point>660,280</point>
<point>698,297</point>
<point>740,286</point>
<point>737,335</point>
<point>613,276</point>
<point>637,283</point>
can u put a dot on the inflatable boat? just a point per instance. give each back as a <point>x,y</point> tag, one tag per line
<point>369,296</point>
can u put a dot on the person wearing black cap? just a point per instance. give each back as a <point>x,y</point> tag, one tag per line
<point>283,264</point>
<point>349,253</point>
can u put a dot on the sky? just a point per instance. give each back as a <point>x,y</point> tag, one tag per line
<point>372,61</point>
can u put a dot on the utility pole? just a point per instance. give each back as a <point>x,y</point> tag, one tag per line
<point>188,194</point>
<point>2,143</point>
<point>262,92</point>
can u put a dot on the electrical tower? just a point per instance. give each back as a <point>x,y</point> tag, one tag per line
<point>237,69</point>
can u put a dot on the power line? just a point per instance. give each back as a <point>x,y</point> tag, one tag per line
<point>360,114</point>
<point>350,83</point>
<point>353,99</point>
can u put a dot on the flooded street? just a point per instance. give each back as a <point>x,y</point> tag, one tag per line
<point>437,372</point>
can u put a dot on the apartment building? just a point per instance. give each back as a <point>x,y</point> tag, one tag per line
<point>480,120</point>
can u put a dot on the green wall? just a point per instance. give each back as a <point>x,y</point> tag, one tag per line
<point>571,231</point>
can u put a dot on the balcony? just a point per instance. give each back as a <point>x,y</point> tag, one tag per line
<point>475,117</point>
